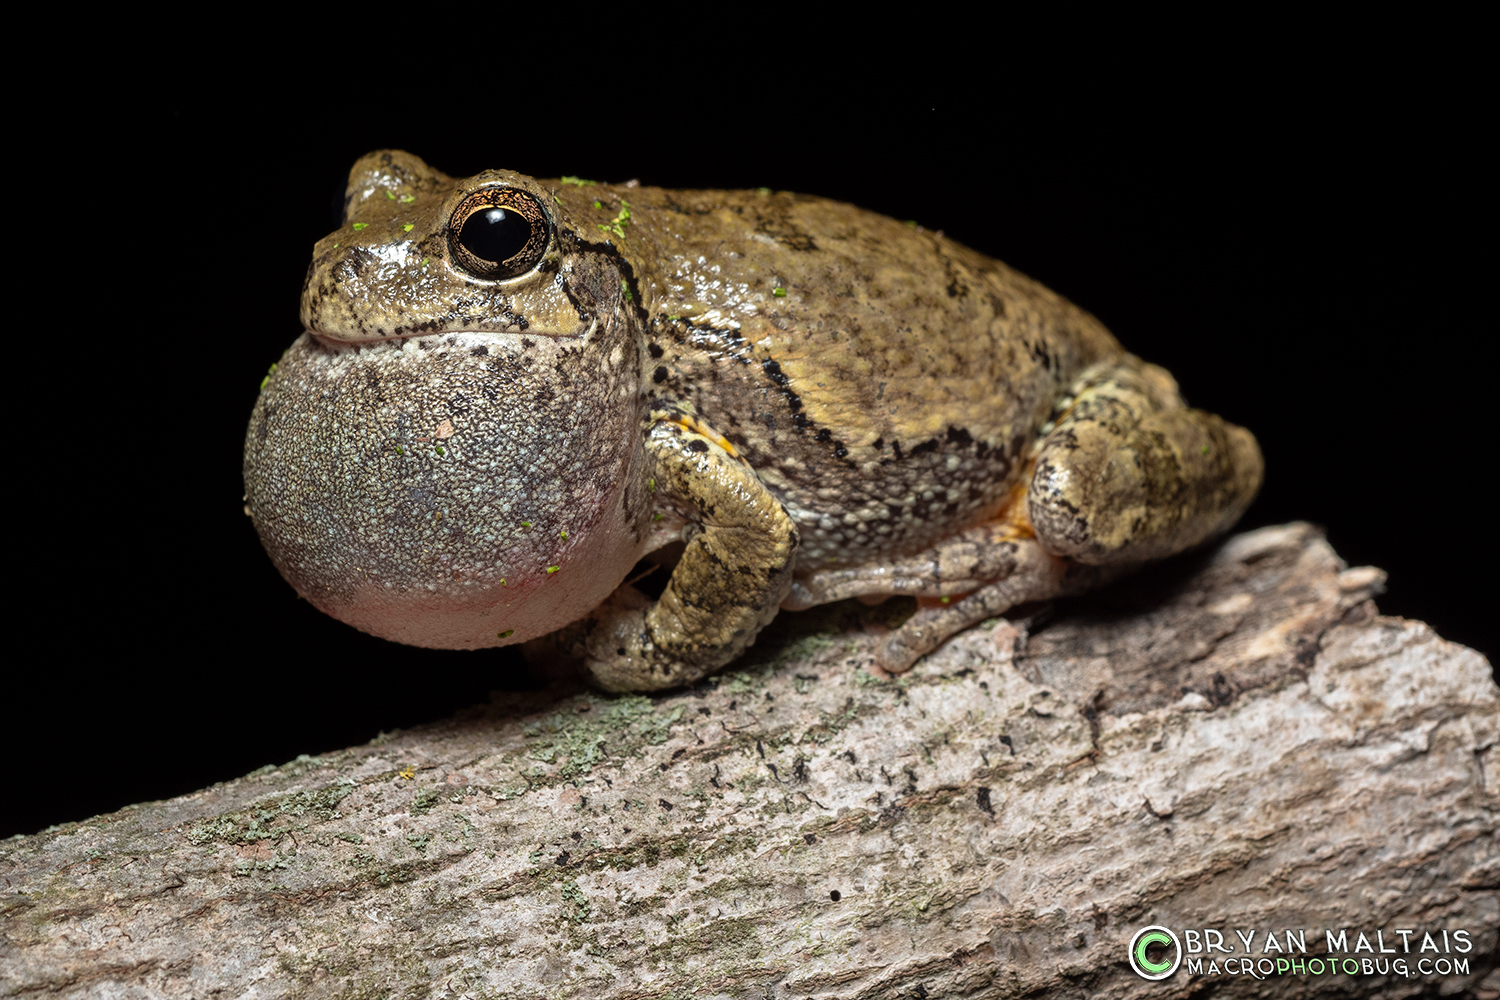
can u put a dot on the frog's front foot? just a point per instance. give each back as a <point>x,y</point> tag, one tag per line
<point>636,644</point>
<point>619,651</point>
<point>734,572</point>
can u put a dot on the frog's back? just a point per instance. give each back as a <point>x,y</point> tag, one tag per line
<point>884,381</point>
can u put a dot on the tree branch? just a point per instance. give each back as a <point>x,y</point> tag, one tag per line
<point>1236,740</point>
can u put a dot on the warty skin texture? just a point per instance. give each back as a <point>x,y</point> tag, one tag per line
<point>820,401</point>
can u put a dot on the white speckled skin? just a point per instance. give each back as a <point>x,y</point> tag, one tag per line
<point>819,400</point>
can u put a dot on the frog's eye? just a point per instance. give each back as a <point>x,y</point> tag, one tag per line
<point>498,233</point>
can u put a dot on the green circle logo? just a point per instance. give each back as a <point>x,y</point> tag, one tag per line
<point>1140,952</point>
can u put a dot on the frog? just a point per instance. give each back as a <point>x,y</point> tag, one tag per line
<point>511,391</point>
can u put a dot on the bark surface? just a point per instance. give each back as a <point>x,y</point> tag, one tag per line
<point>1233,741</point>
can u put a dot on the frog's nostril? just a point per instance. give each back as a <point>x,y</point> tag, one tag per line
<point>354,264</point>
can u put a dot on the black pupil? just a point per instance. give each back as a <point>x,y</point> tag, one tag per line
<point>494,234</point>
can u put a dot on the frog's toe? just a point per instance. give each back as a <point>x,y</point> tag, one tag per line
<point>919,635</point>
<point>1037,576</point>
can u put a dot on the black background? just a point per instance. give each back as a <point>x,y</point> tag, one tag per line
<point>1295,252</point>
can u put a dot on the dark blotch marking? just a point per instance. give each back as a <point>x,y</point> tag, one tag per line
<point>772,368</point>
<point>984,800</point>
<point>660,375</point>
<point>655,350</point>
<point>930,444</point>
<point>698,444</point>
<point>780,228</point>
<point>1039,353</point>
<point>480,351</point>
<point>835,895</point>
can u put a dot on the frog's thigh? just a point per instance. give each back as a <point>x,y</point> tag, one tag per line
<point>1129,474</point>
<point>727,586</point>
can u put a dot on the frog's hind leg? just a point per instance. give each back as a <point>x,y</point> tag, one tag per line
<point>957,565</point>
<point>1125,474</point>
<point>1130,474</point>
<point>995,565</point>
<point>1034,575</point>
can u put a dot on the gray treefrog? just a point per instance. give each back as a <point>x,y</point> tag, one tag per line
<point>510,390</point>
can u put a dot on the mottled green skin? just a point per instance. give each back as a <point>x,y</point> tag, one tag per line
<point>821,401</point>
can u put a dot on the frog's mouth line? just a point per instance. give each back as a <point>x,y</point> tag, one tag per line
<point>334,342</point>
